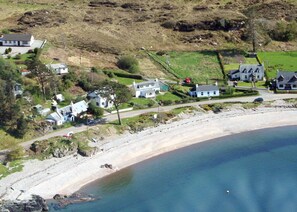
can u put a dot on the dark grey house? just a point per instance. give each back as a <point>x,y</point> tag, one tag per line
<point>248,72</point>
<point>17,40</point>
<point>286,80</point>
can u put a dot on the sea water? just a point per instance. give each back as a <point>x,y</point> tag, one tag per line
<point>252,171</point>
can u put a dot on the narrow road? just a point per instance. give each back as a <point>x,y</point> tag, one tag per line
<point>112,117</point>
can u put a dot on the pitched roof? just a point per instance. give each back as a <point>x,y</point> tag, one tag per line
<point>57,65</point>
<point>146,85</point>
<point>251,68</point>
<point>205,88</point>
<point>287,77</point>
<point>17,37</point>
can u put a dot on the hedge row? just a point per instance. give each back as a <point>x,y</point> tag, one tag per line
<point>132,76</point>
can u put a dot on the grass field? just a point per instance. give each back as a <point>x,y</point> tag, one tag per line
<point>200,66</point>
<point>273,61</point>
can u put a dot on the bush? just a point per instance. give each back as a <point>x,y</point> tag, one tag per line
<point>167,102</point>
<point>17,57</point>
<point>15,154</point>
<point>96,111</point>
<point>284,31</point>
<point>128,63</point>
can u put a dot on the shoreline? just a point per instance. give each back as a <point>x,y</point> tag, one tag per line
<point>67,175</point>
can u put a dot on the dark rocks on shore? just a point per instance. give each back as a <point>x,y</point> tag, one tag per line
<point>63,201</point>
<point>87,152</point>
<point>35,204</point>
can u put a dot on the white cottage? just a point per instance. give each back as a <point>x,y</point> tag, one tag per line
<point>204,91</point>
<point>248,72</point>
<point>146,89</point>
<point>58,68</point>
<point>17,40</point>
<point>98,100</point>
<point>67,113</point>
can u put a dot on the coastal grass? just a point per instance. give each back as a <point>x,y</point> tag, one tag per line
<point>273,61</point>
<point>11,167</point>
<point>200,66</point>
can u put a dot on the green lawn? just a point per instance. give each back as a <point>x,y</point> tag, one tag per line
<point>167,96</point>
<point>200,66</point>
<point>231,59</point>
<point>273,61</point>
<point>127,81</point>
<point>259,84</point>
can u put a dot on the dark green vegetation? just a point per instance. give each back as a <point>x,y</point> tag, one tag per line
<point>128,63</point>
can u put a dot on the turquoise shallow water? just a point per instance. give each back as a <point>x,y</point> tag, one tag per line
<point>258,168</point>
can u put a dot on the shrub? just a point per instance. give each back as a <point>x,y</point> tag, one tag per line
<point>15,154</point>
<point>128,63</point>
<point>167,102</point>
<point>284,31</point>
<point>17,57</point>
<point>96,111</point>
<point>5,31</point>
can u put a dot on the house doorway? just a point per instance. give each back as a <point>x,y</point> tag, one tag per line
<point>19,43</point>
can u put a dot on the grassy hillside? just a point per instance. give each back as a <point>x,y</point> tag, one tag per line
<point>95,32</point>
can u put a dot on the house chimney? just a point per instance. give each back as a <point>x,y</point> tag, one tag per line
<point>156,80</point>
<point>216,83</point>
<point>196,86</point>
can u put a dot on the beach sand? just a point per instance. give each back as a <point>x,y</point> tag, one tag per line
<point>67,175</point>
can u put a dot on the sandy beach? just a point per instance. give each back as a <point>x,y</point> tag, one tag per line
<point>69,174</point>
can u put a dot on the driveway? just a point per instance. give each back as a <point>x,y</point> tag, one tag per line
<point>21,49</point>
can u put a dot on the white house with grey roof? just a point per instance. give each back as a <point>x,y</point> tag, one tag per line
<point>286,80</point>
<point>67,113</point>
<point>204,91</point>
<point>248,72</point>
<point>17,40</point>
<point>146,89</point>
<point>98,100</point>
<point>58,68</point>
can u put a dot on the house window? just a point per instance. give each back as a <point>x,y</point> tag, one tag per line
<point>97,103</point>
<point>214,92</point>
<point>245,76</point>
<point>207,92</point>
<point>102,103</point>
<point>294,86</point>
<point>281,85</point>
<point>201,93</point>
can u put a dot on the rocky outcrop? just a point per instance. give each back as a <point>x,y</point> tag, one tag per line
<point>35,204</point>
<point>87,152</point>
<point>219,24</point>
<point>42,18</point>
<point>102,4</point>
<point>63,201</point>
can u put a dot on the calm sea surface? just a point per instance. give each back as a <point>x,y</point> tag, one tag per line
<point>259,169</point>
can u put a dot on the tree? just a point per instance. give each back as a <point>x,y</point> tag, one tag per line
<point>252,34</point>
<point>41,72</point>
<point>21,127</point>
<point>116,93</point>
<point>9,112</point>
